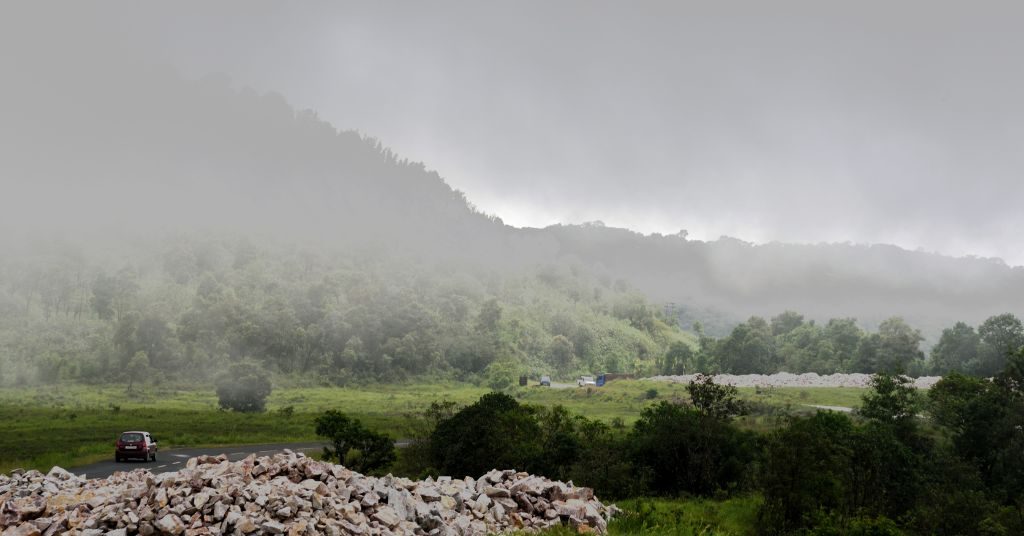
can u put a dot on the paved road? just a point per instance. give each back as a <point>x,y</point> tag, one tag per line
<point>174,459</point>
<point>842,409</point>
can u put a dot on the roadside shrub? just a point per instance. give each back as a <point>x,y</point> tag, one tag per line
<point>243,387</point>
<point>353,445</point>
<point>494,432</point>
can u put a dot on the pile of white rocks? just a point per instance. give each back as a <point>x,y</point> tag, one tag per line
<point>785,379</point>
<point>289,494</point>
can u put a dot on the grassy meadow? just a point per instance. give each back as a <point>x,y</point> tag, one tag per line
<point>69,425</point>
<point>681,517</point>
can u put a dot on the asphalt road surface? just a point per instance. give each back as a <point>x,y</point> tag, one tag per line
<point>842,409</point>
<point>174,459</point>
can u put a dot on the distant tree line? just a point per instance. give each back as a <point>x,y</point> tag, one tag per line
<point>789,343</point>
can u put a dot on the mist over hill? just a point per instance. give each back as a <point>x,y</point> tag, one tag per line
<point>870,282</point>
<point>108,150</point>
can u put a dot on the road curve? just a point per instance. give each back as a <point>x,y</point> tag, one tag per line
<point>174,459</point>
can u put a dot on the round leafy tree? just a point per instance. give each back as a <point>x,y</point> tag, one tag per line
<point>495,432</point>
<point>243,387</point>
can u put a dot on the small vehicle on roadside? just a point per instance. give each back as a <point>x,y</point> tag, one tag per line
<point>135,444</point>
<point>586,381</point>
<point>545,381</point>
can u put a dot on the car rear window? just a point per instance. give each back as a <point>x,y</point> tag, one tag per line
<point>131,437</point>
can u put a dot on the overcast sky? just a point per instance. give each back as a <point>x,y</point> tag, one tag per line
<point>895,122</point>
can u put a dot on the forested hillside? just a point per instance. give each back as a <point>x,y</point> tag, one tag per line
<point>183,309</point>
<point>189,220</point>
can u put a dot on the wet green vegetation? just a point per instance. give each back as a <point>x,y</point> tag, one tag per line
<point>72,424</point>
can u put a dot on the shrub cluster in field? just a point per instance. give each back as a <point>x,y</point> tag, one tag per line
<point>947,463</point>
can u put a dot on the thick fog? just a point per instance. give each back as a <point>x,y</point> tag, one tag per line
<point>308,123</point>
<point>869,122</point>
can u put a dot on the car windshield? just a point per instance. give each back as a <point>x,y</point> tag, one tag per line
<point>131,438</point>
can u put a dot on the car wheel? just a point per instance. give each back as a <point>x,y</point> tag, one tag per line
<point>117,459</point>
<point>153,457</point>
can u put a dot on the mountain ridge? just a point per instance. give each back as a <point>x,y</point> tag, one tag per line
<point>140,148</point>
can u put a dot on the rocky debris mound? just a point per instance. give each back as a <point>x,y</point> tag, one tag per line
<point>289,494</point>
<point>785,379</point>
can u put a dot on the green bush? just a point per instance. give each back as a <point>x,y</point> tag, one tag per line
<point>243,387</point>
<point>494,432</point>
<point>353,445</point>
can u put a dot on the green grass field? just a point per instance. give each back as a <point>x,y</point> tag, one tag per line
<point>682,517</point>
<point>73,424</point>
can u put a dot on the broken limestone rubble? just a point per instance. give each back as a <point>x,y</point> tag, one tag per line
<point>289,494</point>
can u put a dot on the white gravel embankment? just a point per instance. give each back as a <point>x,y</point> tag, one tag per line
<point>785,379</point>
<point>293,495</point>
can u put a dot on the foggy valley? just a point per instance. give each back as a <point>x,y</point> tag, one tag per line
<point>440,241</point>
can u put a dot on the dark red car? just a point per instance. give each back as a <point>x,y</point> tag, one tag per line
<point>135,445</point>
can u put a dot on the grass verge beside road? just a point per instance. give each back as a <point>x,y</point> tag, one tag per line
<point>39,437</point>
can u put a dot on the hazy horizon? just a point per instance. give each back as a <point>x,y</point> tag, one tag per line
<point>800,123</point>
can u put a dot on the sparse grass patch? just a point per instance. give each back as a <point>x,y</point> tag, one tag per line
<point>800,396</point>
